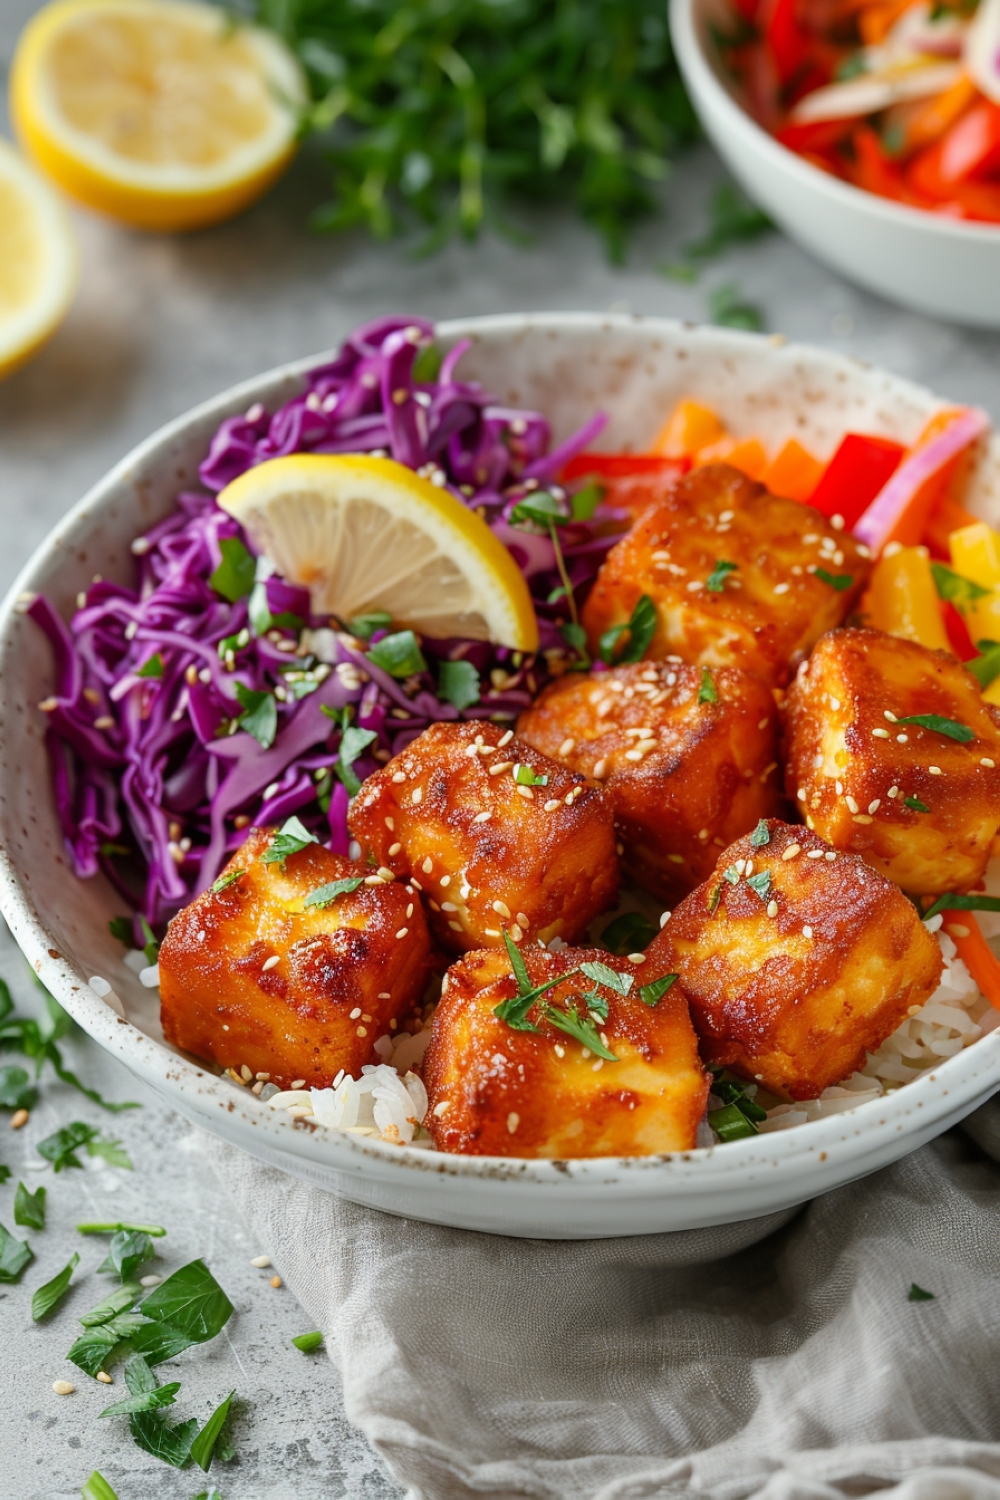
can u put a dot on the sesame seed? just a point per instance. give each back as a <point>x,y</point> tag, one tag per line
<point>935,771</point>
<point>861,818</point>
<point>390,823</point>
<point>402,932</point>
<point>985,761</point>
<point>263,1077</point>
<point>874,805</point>
<point>297,1083</point>
<point>361,1031</point>
<point>551,805</point>
<point>831,854</point>
<point>837,522</point>
<point>513,1121</point>
<point>63,1387</point>
<point>409,911</point>
<point>18,1118</point>
<point>483,817</point>
<point>374,880</point>
<point>956,930</point>
<point>502,910</point>
<point>741,866</point>
<point>261,1262</point>
<point>792,851</point>
<point>418,795</point>
<point>523,921</point>
<point>807,932</point>
<point>448,906</point>
<point>445,881</point>
<point>890,716</point>
<point>566,747</point>
<point>814,854</point>
<point>104,722</point>
<point>494,932</point>
<point>103,1375</point>
<point>245,1073</point>
<point>838,787</point>
<point>852,806</point>
<point>457,927</point>
<point>764,723</point>
<point>772,908</point>
<point>880,734</point>
<point>441,1108</point>
<point>398,776</point>
<point>893,791</point>
<point>427,865</point>
<point>601,769</point>
<point>748,868</point>
<point>835,704</point>
<point>801,794</point>
<point>385,872</point>
<point>526,792</point>
<point>634,755</point>
<point>782,588</point>
<point>275,1281</point>
<point>664,918</point>
<point>559,1051</point>
<point>637,958</point>
<point>500,766</point>
<point>270,963</point>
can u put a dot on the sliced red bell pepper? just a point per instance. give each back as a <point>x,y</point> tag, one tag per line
<point>971,148</point>
<point>817,136</point>
<point>959,638</point>
<point>973,200</point>
<point>622,466</point>
<point>787,43</point>
<point>855,475</point>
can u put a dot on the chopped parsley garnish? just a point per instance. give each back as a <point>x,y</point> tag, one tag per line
<point>951,901</point>
<point>640,630</point>
<point>707,692</point>
<point>230,644</point>
<point>203,1447</point>
<point>652,994</point>
<point>48,1296</point>
<point>61,1147</point>
<point>515,1010</point>
<point>596,1005</point>
<point>16,1092</point>
<point>761,835</point>
<point>365,626</point>
<point>234,577</point>
<point>291,837</point>
<point>29,1208</point>
<point>957,590</point>
<point>26,1035</point>
<point>728,309</point>
<point>261,618</point>
<point>581,1028</point>
<point>540,509</point>
<point>161,1395</point>
<point>14,1256</point>
<point>151,668</point>
<point>732,875</point>
<point>838,581</point>
<point>716,580</point>
<point>602,974</point>
<point>585,501</point>
<point>225,881</point>
<point>574,635</point>
<point>398,654</point>
<point>150,946</point>
<point>714,897</point>
<point>949,727</point>
<point>761,883</point>
<point>352,742</point>
<point>525,776</point>
<point>915,804</point>
<point>918,1294</point>
<point>326,895</point>
<point>458,684</point>
<point>307,1342</point>
<point>629,933</point>
<point>129,1249</point>
<point>986,666</point>
<point>259,716</point>
<point>120,928</point>
<point>98,1488</point>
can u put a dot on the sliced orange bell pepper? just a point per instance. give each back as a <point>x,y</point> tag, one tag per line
<point>748,455</point>
<point>689,428</point>
<point>946,517</point>
<point>793,472</point>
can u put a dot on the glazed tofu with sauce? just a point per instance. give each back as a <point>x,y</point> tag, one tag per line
<point>497,1091</point>
<point>495,836</point>
<point>739,577</point>
<point>919,804</point>
<point>250,976</point>
<point>797,959</point>
<point>687,755</point>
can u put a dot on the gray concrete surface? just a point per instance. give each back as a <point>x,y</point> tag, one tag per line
<point>158,325</point>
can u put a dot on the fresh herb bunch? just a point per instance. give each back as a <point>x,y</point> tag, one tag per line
<point>444,111</point>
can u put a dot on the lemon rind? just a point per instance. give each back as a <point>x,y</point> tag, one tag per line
<point>22,333</point>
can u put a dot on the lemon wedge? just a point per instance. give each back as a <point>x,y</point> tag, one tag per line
<point>160,113</point>
<point>366,534</point>
<point>37,261</point>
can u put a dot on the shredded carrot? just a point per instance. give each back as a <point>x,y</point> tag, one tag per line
<point>975,953</point>
<point>931,119</point>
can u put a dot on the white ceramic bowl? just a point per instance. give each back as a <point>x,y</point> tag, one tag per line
<point>569,366</point>
<point>936,265</point>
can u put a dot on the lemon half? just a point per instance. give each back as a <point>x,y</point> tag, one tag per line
<point>365,534</point>
<point>161,113</point>
<point>38,263</point>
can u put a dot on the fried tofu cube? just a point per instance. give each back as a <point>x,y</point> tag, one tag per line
<point>919,804</point>
<point>494,1090</point>
<point>688,757</point>
<point>739,577</point>
<point>251,976</point>
<point>495,835</point>
<point>797,959</point>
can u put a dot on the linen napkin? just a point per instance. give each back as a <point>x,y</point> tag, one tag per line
<point>794,1368</point>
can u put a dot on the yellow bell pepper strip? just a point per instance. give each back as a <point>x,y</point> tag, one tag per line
<point>975,553</point>
<point>689,428</point>
<point>900,510</point>
<point>793,472</point>
<point>902,599</point>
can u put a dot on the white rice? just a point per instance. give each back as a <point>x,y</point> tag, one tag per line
<point>387,1102</point>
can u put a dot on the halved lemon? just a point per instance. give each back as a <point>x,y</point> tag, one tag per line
<point>366,534</point>
<point>161,113</point>
<point>37,260</point>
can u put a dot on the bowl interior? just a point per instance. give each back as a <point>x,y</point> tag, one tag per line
<point>567,366</point>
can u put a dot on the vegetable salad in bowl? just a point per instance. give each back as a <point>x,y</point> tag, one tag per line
<point>510,799</point>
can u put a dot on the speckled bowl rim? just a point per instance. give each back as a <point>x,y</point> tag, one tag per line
<point>866,1132</point>
<point>692,56</point>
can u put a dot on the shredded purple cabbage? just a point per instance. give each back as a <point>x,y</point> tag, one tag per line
<point>154,782</point>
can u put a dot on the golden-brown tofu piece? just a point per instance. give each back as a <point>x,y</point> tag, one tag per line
<point>250,976</point>
<point>917,804</point>
<point>688,757</point>
<point>497,1091</point>
<point>797,959</point>
<point>494,834</point>
<point>739,577</point>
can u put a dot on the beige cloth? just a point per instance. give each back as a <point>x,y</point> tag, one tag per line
<point>793,1369</point>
